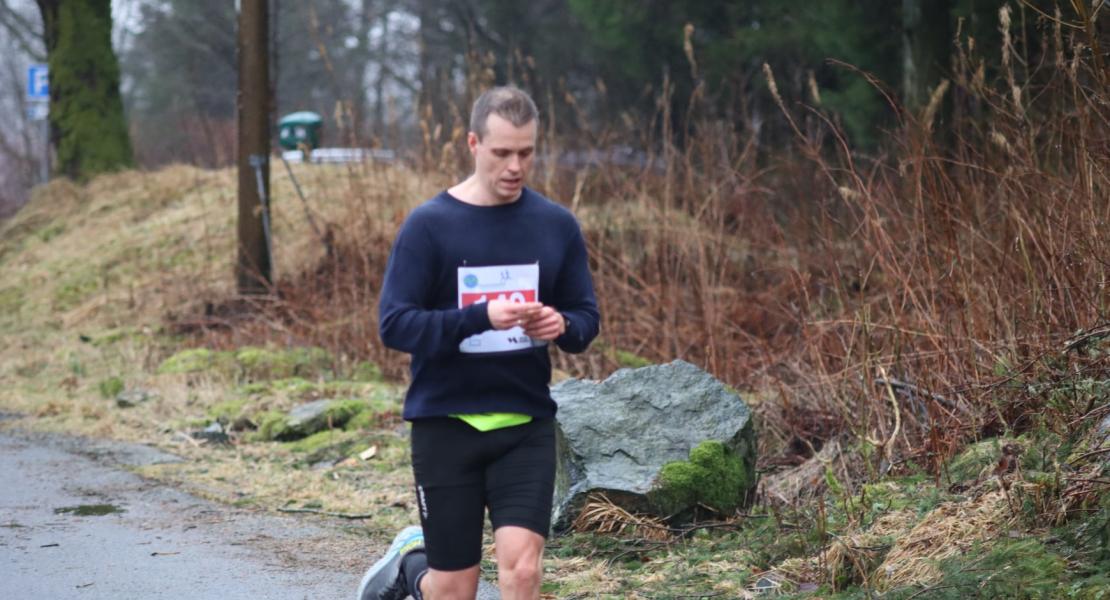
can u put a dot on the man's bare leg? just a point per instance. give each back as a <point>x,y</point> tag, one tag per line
<point>519,562</point>
<point>450,585</point>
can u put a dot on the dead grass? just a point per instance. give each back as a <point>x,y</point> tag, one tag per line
<point>601,515</point>
<point>951,529</point>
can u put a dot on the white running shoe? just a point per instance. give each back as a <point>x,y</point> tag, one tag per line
<point>383,581</point>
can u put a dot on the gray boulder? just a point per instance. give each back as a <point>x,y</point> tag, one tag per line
<point>132,398</point>
<point>214,433</point>
<point>307,419</point>
<point>616,436</point>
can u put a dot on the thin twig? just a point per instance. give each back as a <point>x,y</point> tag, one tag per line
<point>646,548</point>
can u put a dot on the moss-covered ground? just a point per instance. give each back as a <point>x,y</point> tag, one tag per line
<point>90,274</point>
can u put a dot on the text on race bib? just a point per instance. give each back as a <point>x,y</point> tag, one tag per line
<point>515,283</point>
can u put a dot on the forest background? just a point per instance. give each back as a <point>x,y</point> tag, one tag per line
<point>378,69</point>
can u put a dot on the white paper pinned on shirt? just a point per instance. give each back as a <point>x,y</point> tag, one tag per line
<point>516,283</point>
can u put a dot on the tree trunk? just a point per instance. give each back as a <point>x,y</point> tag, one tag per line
<point>433,72</point>
<point>87,126</point>
<point>379,82</point>
<point>926,46</point>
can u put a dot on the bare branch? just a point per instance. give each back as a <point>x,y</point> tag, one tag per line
<point>24,32</point>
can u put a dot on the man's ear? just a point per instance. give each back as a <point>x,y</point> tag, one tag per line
<point>472,141</point>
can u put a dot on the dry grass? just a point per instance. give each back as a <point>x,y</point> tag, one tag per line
<point>851,559</point>
<point>951,529</point>
<point>601,515</point>
<point>120,255</point>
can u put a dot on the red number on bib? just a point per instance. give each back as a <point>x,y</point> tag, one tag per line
<point>514,296</point>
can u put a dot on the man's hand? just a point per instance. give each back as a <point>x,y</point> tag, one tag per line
<point>506,314</point>
<point>547,325</point>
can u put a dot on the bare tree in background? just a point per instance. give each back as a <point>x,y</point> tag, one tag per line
<point>21,147</point>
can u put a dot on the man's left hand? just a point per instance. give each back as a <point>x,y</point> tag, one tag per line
<point>546,326</point>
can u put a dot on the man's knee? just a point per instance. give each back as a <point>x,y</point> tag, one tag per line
<point>522,574</point>
<point>518,557</point>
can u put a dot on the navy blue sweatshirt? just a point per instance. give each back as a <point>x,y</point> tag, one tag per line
<point>419,311</point>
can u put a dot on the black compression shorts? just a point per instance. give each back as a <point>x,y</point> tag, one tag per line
<point>460,471</point>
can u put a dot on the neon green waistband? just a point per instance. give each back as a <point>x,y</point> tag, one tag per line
<point>491,421</point>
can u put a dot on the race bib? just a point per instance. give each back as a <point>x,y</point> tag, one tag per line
<point>516,283</point>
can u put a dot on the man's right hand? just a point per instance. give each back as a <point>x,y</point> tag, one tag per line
<point>506,314</point>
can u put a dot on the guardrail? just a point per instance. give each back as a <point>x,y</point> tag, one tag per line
<point>340,155</point>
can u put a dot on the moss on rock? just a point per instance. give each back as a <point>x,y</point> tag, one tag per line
<point>264,363</point>
<point>254,364</point>
<point>287,427</point>
<point>272,425</point>
<point>195,360</point>
<point>229,410</point>
<point>976,459</point>
<point>341,411</point>
<point>322,440</point>
<point>377,411</point>
<point>715,476</point>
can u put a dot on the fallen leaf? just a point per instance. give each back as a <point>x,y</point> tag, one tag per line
<point>368,453</point>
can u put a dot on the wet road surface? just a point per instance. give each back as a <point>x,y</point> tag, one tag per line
<point>75,524</point>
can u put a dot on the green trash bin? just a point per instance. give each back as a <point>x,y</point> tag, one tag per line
<point>300,128</point>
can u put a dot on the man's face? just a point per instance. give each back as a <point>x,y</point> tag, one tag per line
<point>503,157</point>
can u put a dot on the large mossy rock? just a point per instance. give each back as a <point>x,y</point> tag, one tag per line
<point>661,439</point>
<point>307,419</point>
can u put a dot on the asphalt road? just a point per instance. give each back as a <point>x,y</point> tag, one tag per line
<point>156,542</point>
<point>161,544</point>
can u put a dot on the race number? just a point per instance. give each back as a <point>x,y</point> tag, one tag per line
<point>516,283</point>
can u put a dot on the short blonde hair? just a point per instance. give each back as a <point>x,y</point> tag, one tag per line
<point>508,102</point>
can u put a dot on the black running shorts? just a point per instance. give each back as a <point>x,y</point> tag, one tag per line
<point>460,471</point>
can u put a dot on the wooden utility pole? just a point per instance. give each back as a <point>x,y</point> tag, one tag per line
<point>253,271</point>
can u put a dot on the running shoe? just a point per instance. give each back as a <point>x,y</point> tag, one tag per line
<point>383,581</point>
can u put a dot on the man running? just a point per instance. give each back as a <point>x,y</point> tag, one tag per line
<point>480,279</point>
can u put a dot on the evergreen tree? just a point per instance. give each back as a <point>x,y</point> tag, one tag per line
<point>634,43</point>
<point>87,125</point>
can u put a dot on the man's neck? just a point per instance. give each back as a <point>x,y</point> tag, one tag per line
<point>471,191</point>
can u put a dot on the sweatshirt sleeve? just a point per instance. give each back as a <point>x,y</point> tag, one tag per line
<point>575,298</point>
<point>406,320</point>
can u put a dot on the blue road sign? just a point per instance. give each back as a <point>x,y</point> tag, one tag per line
<point>38,82</point>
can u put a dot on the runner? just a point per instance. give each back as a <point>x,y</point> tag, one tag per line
<point>480,279</point>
